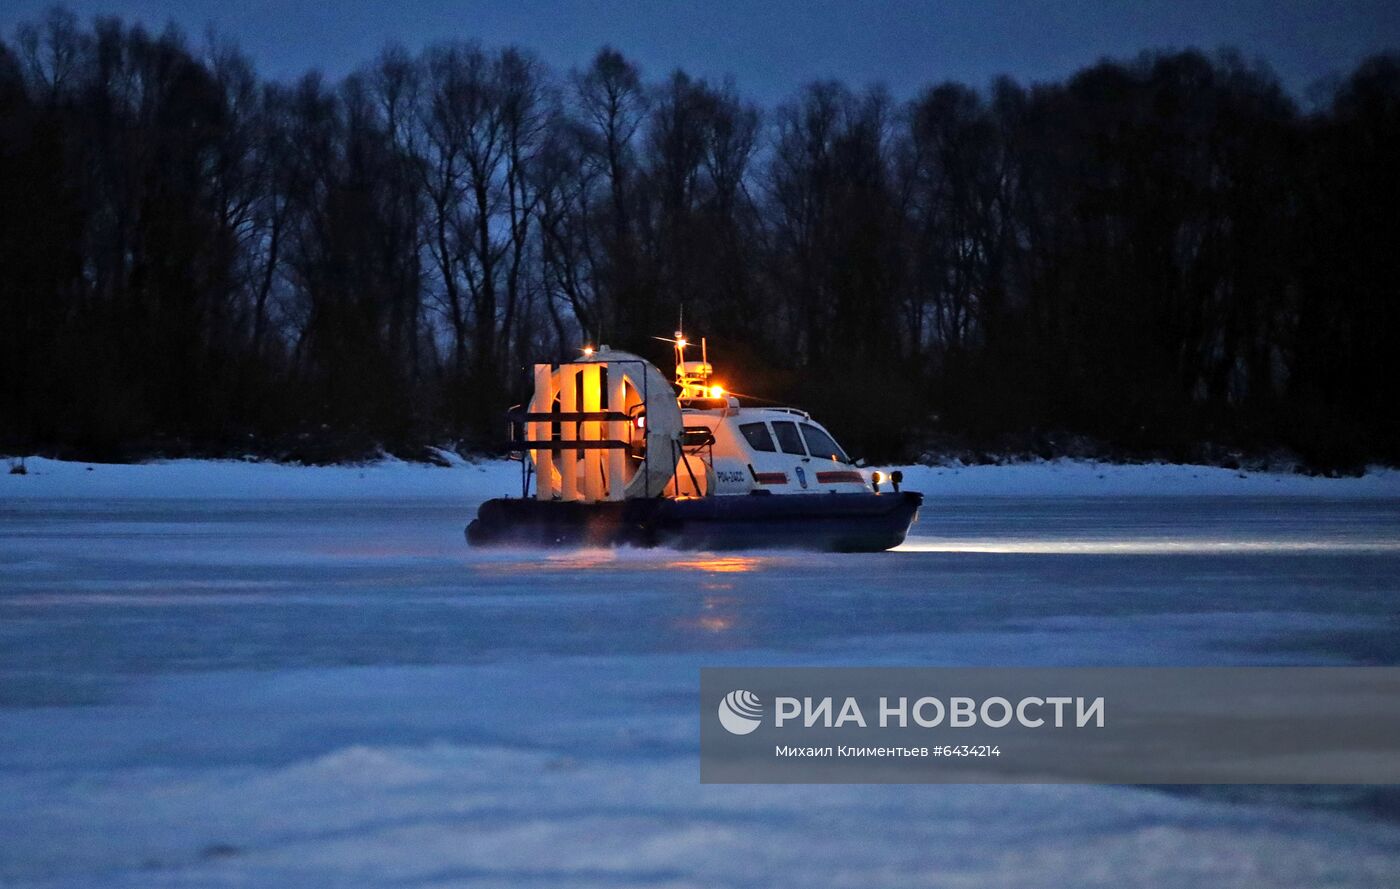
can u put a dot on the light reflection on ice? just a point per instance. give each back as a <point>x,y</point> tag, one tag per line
<point>624,559</point>
<point>718,614</point>
<point>1141,545</point>
<point>713,564</point>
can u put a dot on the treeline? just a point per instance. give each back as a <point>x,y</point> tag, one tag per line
<point>1156,254</point>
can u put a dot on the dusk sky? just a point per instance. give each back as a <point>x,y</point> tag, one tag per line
<point>773,47</point>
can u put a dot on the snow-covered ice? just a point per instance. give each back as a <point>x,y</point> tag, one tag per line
<point>242,674</point>
<point>225,479</point>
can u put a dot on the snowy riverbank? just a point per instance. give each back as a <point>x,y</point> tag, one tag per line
<point>390,479</point>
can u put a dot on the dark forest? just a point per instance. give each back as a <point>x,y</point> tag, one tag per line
<point>1161,257</point>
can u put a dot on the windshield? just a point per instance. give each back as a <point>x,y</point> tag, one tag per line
<point>758,436</point>
<point>820,444</point>
<point>788,438</point>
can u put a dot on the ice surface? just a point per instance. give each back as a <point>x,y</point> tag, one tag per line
<point>228,674</point>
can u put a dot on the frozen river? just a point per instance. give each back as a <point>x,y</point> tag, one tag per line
<point>336,692</point>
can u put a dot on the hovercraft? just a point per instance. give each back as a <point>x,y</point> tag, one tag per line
<point>619,457</point>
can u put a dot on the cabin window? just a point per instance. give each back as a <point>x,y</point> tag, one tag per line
<point>788,438</point>
<point>758,436</point>
<point>823,445</point>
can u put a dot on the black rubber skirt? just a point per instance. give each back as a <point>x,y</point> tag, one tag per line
<point>825,522</point>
